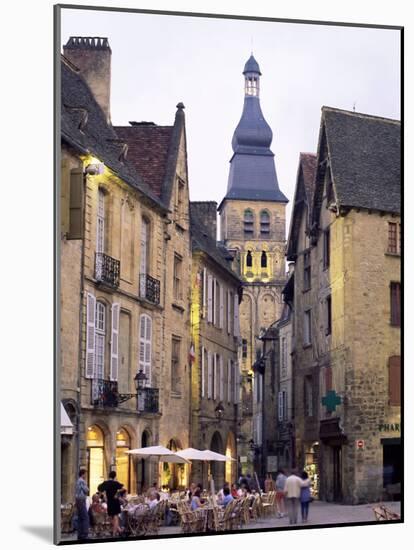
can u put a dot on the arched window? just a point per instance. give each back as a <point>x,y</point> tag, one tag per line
<point>123,460</point>
<point>248,221</point>
<point>96,463</point>
<point>100,314</point>
<point>264,223</point>
<point>145,339</point>
<point>249,259</point>
<point>263,260</point>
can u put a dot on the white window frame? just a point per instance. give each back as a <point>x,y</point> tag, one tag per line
<point>202,372</point>
<point>221,383</point>
<point>229,380</point>
<point>114,342</point>
<point>100,222</point>
<point>145,346</point>
<point>209,376</point>
<point>90,336</point>
<point>100,336</point>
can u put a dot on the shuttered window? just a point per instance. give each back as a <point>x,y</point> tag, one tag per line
<point>395,289</point>
<point>229,299</point>
<point>394,377</point>
<point>145,339</point>
<point>100,340</point>
<point>280,406</point>
<point>90,336</point>
<point>236,380</point>
<point>221,316</point>
<point>230,388</point>
<point>176,365</point>
<point>209,376</point>
<point>76,204</point>
<point>100,223</point>
<point>114,342</point>
<point>306,270</point>
<point>204,309</point>
<point>236,326</point>
<point>215,375</point>
<point>307,335</point>
<point>210,299</point>
<point>221,385</point>
<point>203,368</point>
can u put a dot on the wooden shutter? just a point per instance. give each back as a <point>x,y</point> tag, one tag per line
<point>394,378</point>
<point>229,377</point>
<point>64,196</point>
<point>76,204</point>
<point>395,304</point>
<point>114,342</point>
<point>236,327</point>
<point>221,320</point>
<point>204,309</point>
<point>280,405</point>
<point>202,372</point>
<point>215,301</point>
<point>210,299</point>
<point>209,376</point>
<point>145,337</point>
<point>215,377</point>
<point>236,381</point>
<point>285,405</point>
<point>228,312</point>
<point>90,336</point>
<point>221,392</point>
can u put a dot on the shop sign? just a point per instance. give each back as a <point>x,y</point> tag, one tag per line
<point>389,427</point>
<point>360,444</point>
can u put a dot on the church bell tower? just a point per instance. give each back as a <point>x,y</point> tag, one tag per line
<point>252,216</point>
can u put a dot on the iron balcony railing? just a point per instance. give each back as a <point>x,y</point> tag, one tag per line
<point>104,393</point>
<point>148,400</point>
<point>149,288</point>
<point>107,269</point>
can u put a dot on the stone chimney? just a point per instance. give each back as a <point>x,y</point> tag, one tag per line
<point>206,213</point>
<point>92,56</point>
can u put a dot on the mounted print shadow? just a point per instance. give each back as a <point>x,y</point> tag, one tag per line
<point>228,284</point>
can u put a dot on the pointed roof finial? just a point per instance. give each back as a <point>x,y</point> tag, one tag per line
<point>252,66</point>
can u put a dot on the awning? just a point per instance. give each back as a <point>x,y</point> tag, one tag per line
<point>66,426</point>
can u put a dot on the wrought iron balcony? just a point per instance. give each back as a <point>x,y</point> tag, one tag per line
<point>149,288</point>
<point>107,269</point>
<point>104,393</point>
<point>148,400</point>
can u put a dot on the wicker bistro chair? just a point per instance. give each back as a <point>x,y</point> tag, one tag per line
<point>150,521</point>
<point>256,508</point>
<point>245,510</point>
<point>189,521</point>
<point>66,517</point>
<point>268,503</point>
<point>382,513</point>
<point>102,524</point>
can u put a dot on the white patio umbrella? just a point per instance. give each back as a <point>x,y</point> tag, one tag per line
<point>162,454</point>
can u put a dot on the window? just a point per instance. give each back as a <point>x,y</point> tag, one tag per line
<point>395,304</point>
<point>144,255</point>
<point>283,356</point>
<point>328,315</point>
<point>308,396</point>
<point>249,259</point>
<point>229,379</point>
<point>217,306</point>
<point>306,270</point>
<point>282,406</point>
<point>100,340</point>
<point>177,283</point>
<point>248,221</point>
<point>209,375</point>
<point>264,223</point>
<point>203,370</point>
<point>394,238</point>
<point>100,223</point>
<point>175,366</point>
<point>252,86</point>
<point>145,339</point>
<point>179,210</point>
<point>244,348</point>
<point>394,380</point>
<point>307,335</point>
<point>263,260</point>
<point>326,248</point>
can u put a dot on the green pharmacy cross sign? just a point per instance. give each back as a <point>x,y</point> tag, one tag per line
<point>331,400</point>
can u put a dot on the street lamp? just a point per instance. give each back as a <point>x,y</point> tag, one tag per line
<point>139,380</point>
<point>219,410</point>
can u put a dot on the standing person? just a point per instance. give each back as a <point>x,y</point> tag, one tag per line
<point>280,493</point>
<point>81,492</point>
<point>292,492</point>
<point>111,487</point>
<point>305,496</point>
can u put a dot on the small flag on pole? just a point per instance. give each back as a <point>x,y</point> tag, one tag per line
<point>191,354</point>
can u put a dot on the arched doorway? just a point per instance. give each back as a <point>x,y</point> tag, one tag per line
<point>123,460</point>
<point>175,475</point>
<point>96,462</point>
<point>217,468</point>
<point>230,467</point>
<point>143,468</point>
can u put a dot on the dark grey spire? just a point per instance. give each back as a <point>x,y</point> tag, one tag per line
<point>252,167</point>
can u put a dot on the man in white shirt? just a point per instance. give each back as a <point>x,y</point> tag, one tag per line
<point>292,491</point>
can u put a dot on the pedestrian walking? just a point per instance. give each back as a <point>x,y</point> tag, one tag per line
<point>305,496</point>
<point>81,493</point>
<point>280,493</point>
<point>292,492</point>
<point>111,487</point>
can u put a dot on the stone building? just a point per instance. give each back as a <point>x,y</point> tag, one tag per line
<point>252,225</point>
<point>125,264</point>
<point>215,388</point>
<point>347,309</point>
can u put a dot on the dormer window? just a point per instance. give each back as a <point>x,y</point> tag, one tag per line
<point>252,86</point>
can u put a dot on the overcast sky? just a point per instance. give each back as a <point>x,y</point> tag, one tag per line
<point>159,60</point>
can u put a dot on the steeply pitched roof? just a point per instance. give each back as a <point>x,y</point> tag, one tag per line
<point>154,152</point>
<point>305,185</point>
<point>148,151</point>
<point>365,157</point>
<point>84,126</point>
<point>203,242</point>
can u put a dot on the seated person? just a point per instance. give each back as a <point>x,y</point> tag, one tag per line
<point>195,500</point>
<point>153,497</point>
<point>227,498</point>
